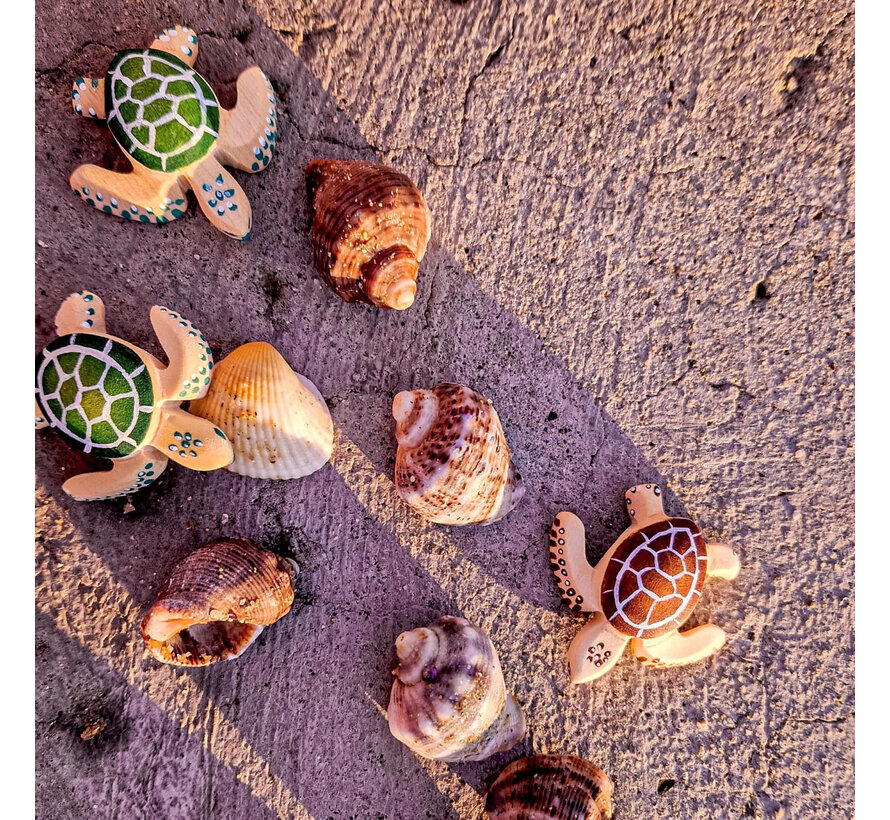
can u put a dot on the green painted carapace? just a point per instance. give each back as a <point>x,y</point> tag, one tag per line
<point>112,399</point>
<point>166,118</point>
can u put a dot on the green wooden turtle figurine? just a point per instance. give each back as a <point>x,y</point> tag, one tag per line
<point>642,590</point>
<point>168,121</point>
<point>110,398</point>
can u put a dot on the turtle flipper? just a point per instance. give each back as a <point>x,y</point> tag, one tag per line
<point>722,562</point>
<point>678,648</point>
<point>88,98</point>
<point>248,132</point>
<point>595,649</point>
<point>569,561</point>
<point>39,419</point>
<point>81,311</point>
<point>187,375</point>
<point>221,199</point>
<point>179,41</point>
<point>141,196</point>
<point>191,441</point>
<point>126,475</point>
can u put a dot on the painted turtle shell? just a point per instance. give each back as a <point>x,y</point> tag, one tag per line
<point>97,392</point>
<point>654,578</point>
<point>160,110</point>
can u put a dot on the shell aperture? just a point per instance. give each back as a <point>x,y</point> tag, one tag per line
<point>216,602</point>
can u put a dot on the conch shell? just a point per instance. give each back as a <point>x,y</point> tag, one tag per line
<point>276,420</point>
<point>453,464</point>
<point>448,700</point>
<point>550,787</point>
<point>370,229</point>
<point>217,601</point>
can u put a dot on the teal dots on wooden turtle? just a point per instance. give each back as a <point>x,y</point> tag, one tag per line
<point>200,377</point>
<point>96,392</point>
<point>219,197</point>
<point>161,111</point>
<point>168,121</point>
<point>185,444</point>
<point>265,146</point>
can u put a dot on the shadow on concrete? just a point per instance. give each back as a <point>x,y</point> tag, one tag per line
<point>365,576</point>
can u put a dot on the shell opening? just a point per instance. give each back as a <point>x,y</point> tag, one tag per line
<point>201,644</point>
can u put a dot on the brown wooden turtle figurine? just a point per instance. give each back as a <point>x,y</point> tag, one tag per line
<point>642,590</point>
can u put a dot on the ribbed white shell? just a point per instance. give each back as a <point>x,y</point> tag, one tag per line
<point>276,420</point>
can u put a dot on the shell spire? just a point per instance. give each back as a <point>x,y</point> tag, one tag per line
<point>453,465</point>
<point>448,700</point>
<point>370,229</point>
<point>276,420</point>
<point>550,787</point>
<point>216,602</point>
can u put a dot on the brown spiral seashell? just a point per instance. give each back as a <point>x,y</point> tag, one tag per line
<point>550,787</point>
<point>448,700</point>
<point>370,229</point>
<point>217,601</point>
<point>453,465</point>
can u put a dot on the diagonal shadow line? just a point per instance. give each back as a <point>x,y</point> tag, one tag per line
<point>465,799</point>
<point>149,791</point>
<point>172,692</point>
<point>456,300</point>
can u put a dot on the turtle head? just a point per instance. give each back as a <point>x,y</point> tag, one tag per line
<point>644,503</point>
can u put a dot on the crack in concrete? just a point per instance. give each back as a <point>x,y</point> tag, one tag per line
<point>78,52</point>
<point>492,58</point>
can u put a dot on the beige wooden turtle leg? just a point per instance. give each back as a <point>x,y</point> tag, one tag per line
<point>595,649</point>
<point>179,41</point>
<point>142,195</point>
<point>81,312</point>
<point>221,199</point>
<point>248,132</point>
<point>678,648</point>
<point>187,376</point>
<point>39,419</point>
<point>191,441</point>
<point>568,558</point>
<point>722,561</point>
<point>127,475</point>
<point>88,98</point>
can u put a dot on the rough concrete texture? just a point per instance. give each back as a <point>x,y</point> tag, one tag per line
<point>642,253</point>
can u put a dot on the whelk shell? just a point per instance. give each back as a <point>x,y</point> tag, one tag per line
<point>277,421</point>
<point>217,601</point>
<point>448,699</point>
<point>550,787</point>
<point>453,465</point>
<point>370,229</point>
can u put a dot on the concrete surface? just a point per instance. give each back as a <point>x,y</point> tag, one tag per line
<point>642,252</point>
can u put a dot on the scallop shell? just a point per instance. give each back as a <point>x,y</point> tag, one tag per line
<point>370,229</point>
<point>448,700</point>
<point>453,465</point>
<point>216,602</point>
<point>550,787</point>
<point>276,420</point>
